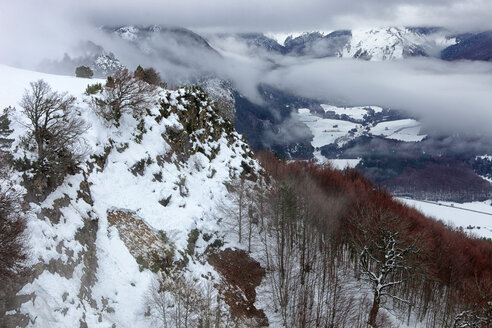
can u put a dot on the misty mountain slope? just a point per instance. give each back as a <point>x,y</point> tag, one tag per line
<point>369,44</point>
<point>261,42</point>
<point>160,44</point>
<point>373,44</point>
<point>394,43</point>
<point>87,53</point>
<point>470,46</point>
<point>137,33</point>
<point>272,124</point>
<point>318,45</point>
<point>90,237</point>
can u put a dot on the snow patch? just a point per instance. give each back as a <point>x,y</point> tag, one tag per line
<point>474,217</point>
<point>407,130</point>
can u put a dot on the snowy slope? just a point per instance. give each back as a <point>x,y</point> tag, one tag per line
<point>404,130</point>
<point>326,131</point>
<point>356,113</point>
<point>475,218</point>
<point>86,270</point>
<point>15,81</point>
<point>377,44</point>
<point>352,122</point>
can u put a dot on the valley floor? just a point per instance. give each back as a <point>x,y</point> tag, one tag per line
<point>475,217</point>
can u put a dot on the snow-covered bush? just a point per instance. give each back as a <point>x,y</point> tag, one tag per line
<point>93,89</point>
<point>123,93</point>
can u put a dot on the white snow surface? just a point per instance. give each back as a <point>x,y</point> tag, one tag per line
<point>281,37</point>
<point>486,157</point>
<point>390,43</point>
<point>325,131</point>
<point>404,130</point>
<point>120,285</point>
<point>14,81</point>
<point>343,163</point>
<point>475,217</point>
<point>334,131</point>
<point>385,43</point>
<point>357,112</point>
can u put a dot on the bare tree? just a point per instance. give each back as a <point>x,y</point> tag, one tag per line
<point>477,318</point>
<point>179,301</point>
<point>241,209</point>
<point>57,130</point>
<point>52,120</point>
<point>386,254</point>
<point>123,93</point>
<point>158,303</point>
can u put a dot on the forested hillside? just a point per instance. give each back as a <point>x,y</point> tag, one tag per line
<point>127,204</point>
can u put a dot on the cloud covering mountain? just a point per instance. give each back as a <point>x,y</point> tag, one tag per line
<point>32,31</point>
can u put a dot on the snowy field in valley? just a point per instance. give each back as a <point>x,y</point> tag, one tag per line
<point>337,163</point>
<point>474,217</point>
<point>325,131</point>
<point>404,130</point>
<point>356,113</point>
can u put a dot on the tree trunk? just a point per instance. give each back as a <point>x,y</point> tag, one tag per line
<point>374,311</point>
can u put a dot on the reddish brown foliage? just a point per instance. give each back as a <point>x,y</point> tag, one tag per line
<point>450,256</point>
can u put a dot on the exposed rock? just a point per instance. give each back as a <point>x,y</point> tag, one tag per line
<point>54,214</point>
<point>87,237</point>
<point>137,236</point>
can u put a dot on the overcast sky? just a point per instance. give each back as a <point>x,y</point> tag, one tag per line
<point>50,26</point>
<point>31,30</point>
<point>259,15</point>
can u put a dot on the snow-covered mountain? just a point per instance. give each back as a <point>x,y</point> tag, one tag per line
<point>370,44</point>
<point>162,41</point>
<point>102,62</point>
<point>394,43</point>
<point>143,186</point>
<point>170,218</point>
<point>470,46</point>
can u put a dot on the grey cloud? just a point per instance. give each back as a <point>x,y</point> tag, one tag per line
<point>454,95</point>
<point>49,28</point>
<point>288,15</point>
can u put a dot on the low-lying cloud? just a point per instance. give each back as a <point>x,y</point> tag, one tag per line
<point>454,95</point>
<point>50,27</point>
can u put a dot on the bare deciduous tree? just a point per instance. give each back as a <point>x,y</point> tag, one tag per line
<point>123,93</point>
<point>386,255</point>
<point>57,130</point>
<point>52,120</point>
<point>480,317</point>
<point>180,301</point>
<point>241,209</point>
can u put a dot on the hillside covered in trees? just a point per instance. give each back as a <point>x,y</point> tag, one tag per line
<point>127,204</point>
